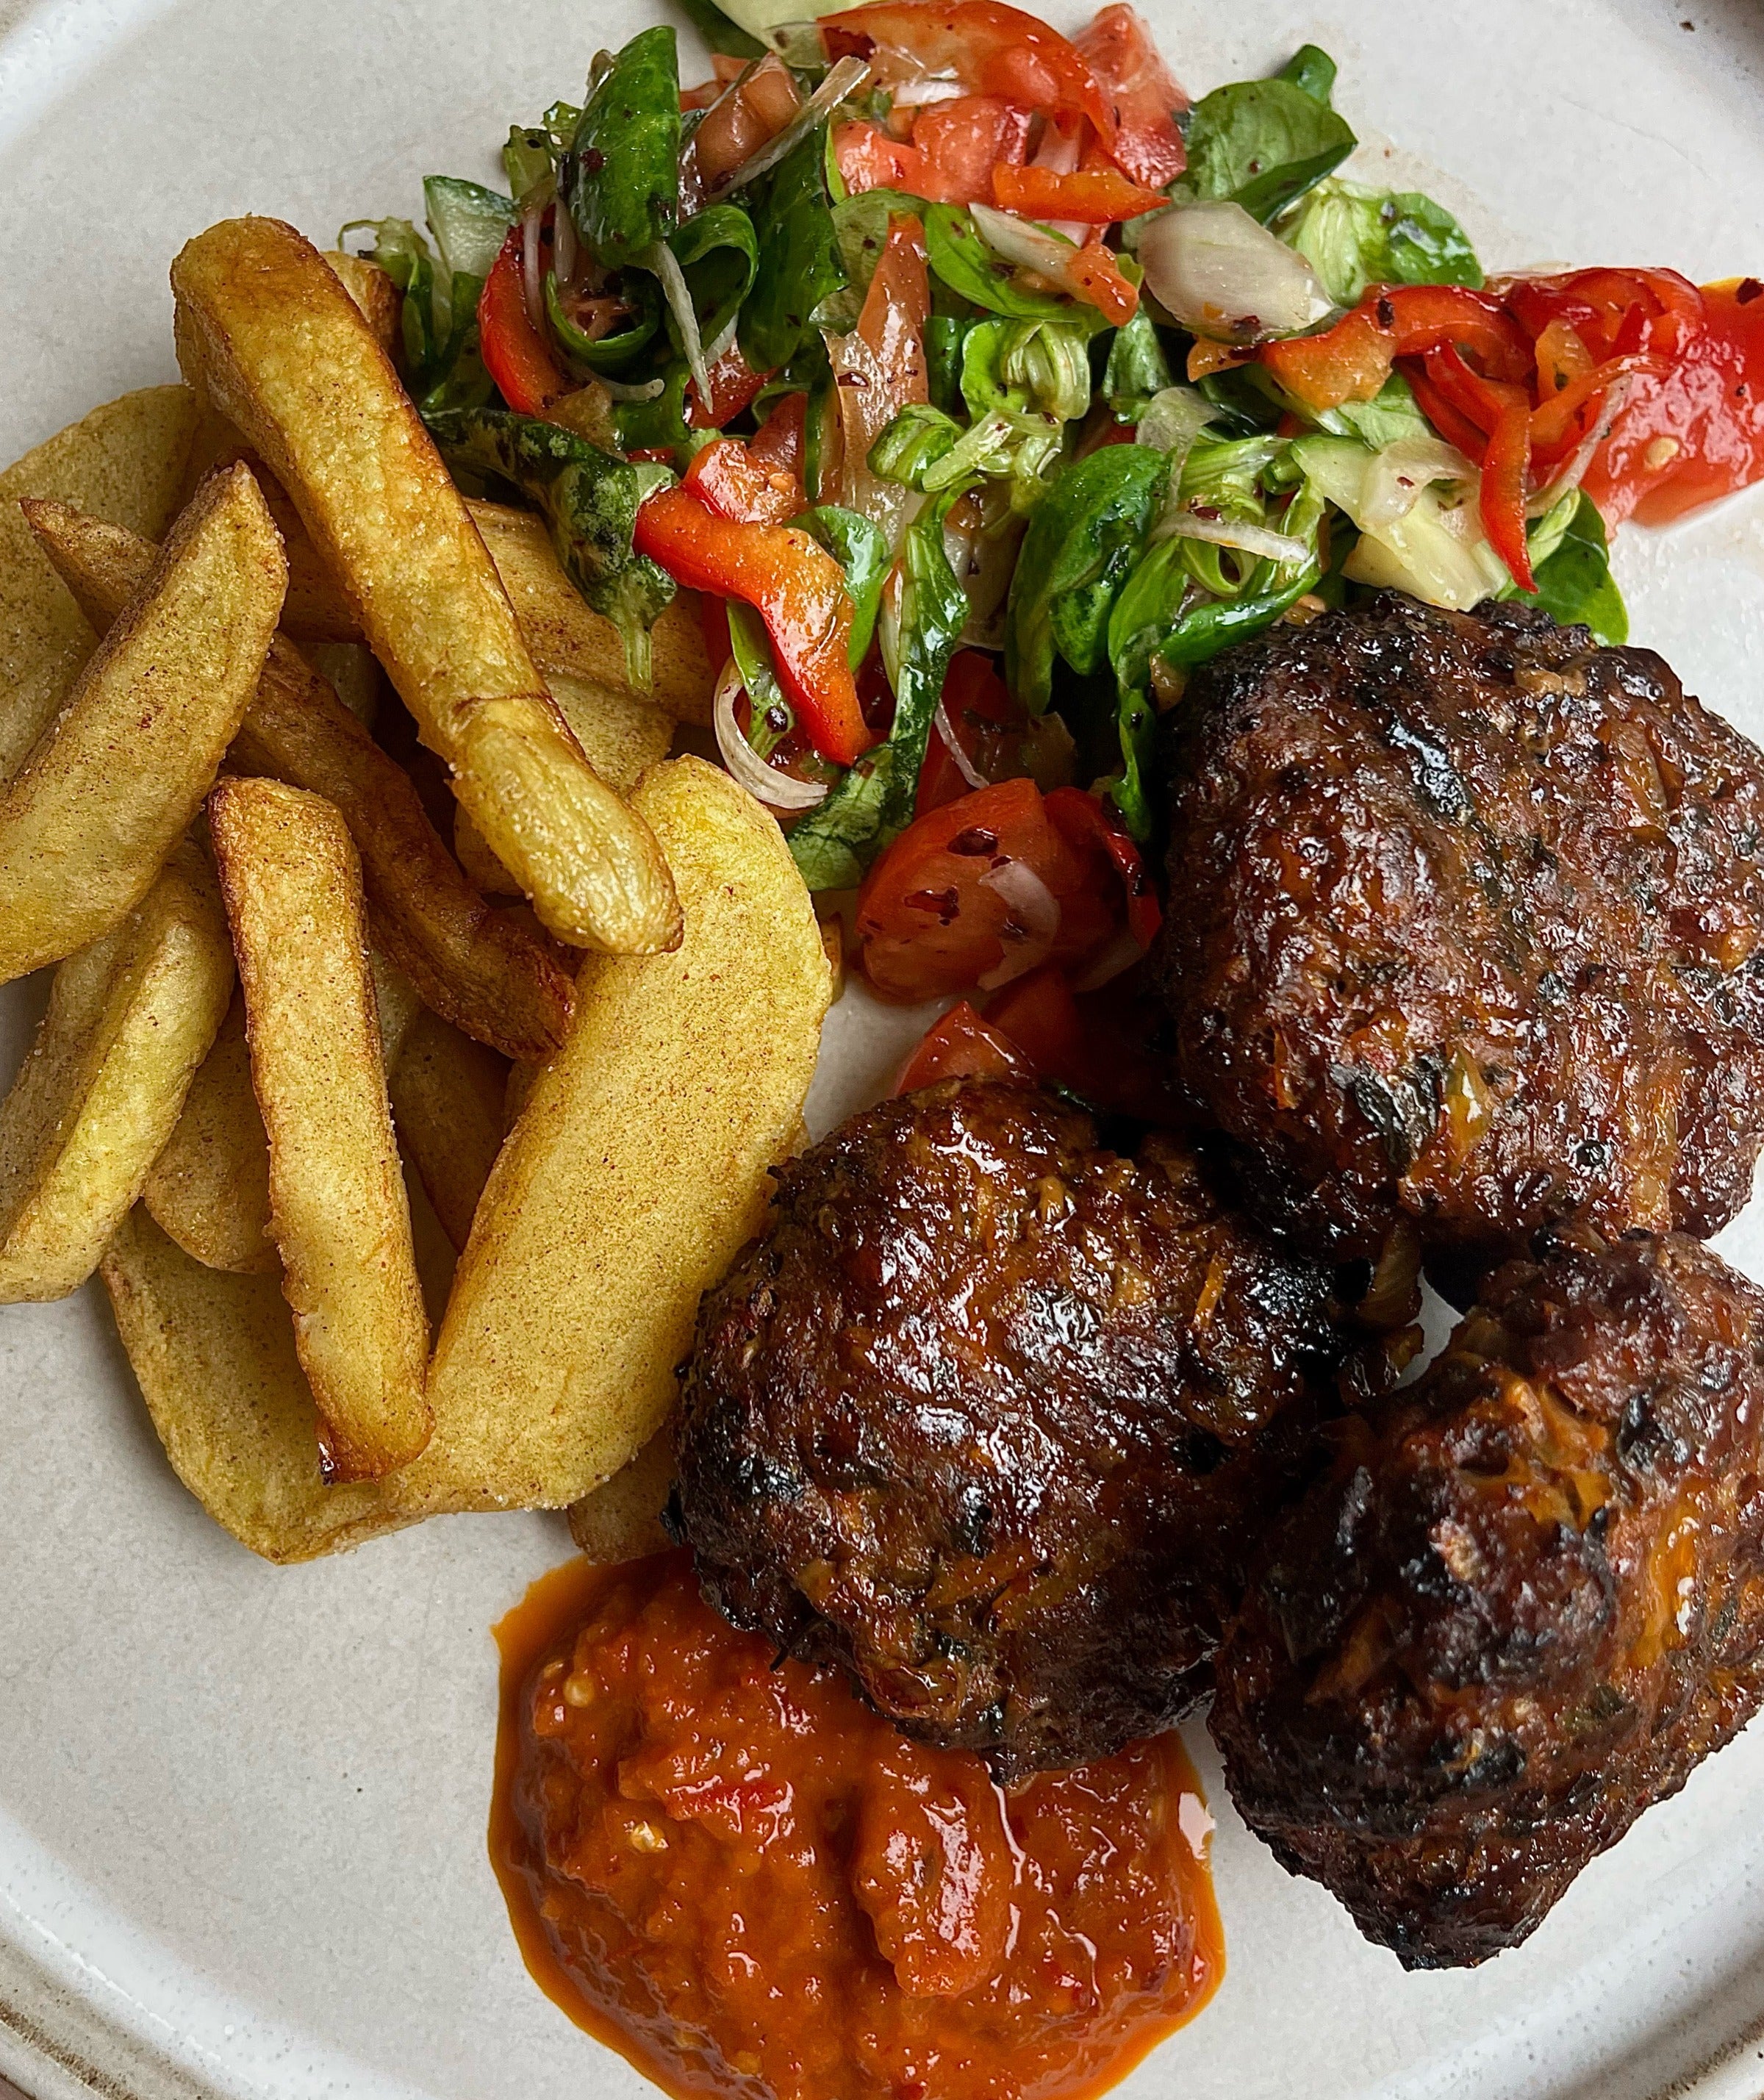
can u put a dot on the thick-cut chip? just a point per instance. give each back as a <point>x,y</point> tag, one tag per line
<point>268,333</point>
<point>123,462</point>
<point>349,669</point>
<point>130,1020</point>
<point>214,1357</point>
<point>565,634</point>
<point>638,1168</point>
<point>209,1188</point>
<point>474,965</point>
<point>371,289</point>
<point>623,736</point>
<point>621,1519</point>
<point>115,781</point>
<point>447,1104</point>
<point>339,1214</point>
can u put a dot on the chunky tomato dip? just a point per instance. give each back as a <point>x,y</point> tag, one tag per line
<point>730,1870</point>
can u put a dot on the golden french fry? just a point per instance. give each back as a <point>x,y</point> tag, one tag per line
<point>266,331</point>
<point>131,1017</point>
<point>484,870</point>
<point>123,461</point>
<point>338,1209</point>
<point>447,1106</point>
<point>565,634</point>
<point>621,1519</point>
<point>214,1357</point>
<point>622,737</point>
<point>349,669</point>
<point>474,965</point>
<point>116,780</point>
<point>315,609</point>
<point>638,1167</point>
<point>209,1188</point>
<point>380,301</point>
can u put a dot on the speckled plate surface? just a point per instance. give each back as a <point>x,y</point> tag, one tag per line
<point>242,1809</point>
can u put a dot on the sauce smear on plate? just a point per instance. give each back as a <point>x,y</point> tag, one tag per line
<point>751,1886</point>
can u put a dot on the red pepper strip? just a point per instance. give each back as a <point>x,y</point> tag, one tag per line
<point>1352,361</point>
<point>1483,401</point>
<point>725,476</point>
<point>1100,195</point>
<point>797,587</point>
<point>991,49</point>
<point>1095,275</point>
<point>734,384</point>
<point>781,440</point>
<point>516,356</point>
<point>1503,491</point>
<point>1451,423</point>
<point>1552,423</point>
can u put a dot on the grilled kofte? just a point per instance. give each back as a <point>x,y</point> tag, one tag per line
<point>990,1414</point>
<point>1528,1600</point>
<point>1469,927</point>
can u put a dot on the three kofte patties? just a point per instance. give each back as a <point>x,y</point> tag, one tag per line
<point>1044,1439</point>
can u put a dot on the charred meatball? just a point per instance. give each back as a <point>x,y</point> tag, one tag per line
<point>1528,1600</point>
<point>987,1415</point>
<point>1469,929</point>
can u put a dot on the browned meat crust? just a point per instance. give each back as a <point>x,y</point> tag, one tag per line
<point>1528,1599</point>
<point>986,1415</point>
<point>1468,927</point>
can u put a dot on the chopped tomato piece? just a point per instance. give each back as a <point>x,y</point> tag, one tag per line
<point>961,1046</point>
<point>990,48</point>
<point>797,587</point>
<point>867,159</point>
<point>1039,1017</point>
<point>1349,362</point>
<point>1120,51</point>
<point>979,708</point>
<point>1352,360</point>
<point>1098,195</point>
<point>1504,469</point>
<point>960,143</point>
<point>1090,825</point>
<point>734,384</point>
<point>516,356</point>
<point>781,440</point>
<point>755,108</point>
<point>726,475</point>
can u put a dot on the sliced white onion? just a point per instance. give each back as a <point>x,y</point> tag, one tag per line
<point>623,389</point>
<point>765,782</point>
<point>1173,420</point>
<point>842,82</point>
<point>532,282</point>
<point>663,260</point>
<point>1396,478</point>
<point>964,764</point>
<point>1257,540</point>
<point>1572,471</point>
<point>564,247</point>
<point>1222,275</point>
<point>1035,909</point>
<point>1022,241</point>
<point>920,94</point>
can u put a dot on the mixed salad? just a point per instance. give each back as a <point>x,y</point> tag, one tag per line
<point>983,386</point>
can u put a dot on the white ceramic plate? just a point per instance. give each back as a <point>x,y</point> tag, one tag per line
<point>241,1810</point>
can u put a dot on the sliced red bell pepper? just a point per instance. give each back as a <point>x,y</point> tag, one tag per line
<point>990,48</point>
<point>797,587</point>
<point>1094,275</point>
<point>781,439</point>
<point>1352,361</point>
<point>1504,469</point>
<point>726,475</point>
<point>516,356</point>
<point>1451,423</point>
<point>1096,195</point>
<point>1554,421</point>
<point>734,384</point>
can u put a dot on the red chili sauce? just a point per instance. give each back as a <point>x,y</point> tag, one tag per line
<point>751,1886</point>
